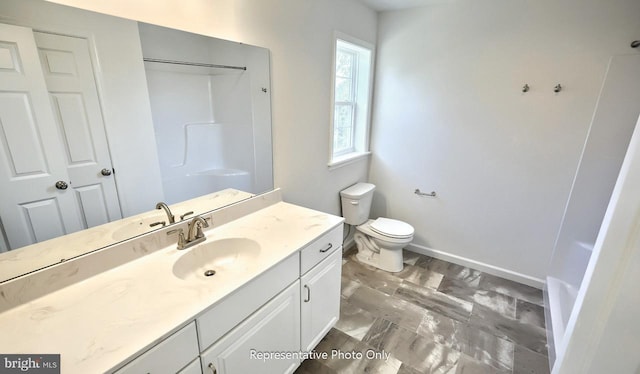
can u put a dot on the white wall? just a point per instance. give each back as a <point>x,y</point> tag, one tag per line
<point>449,116</point>
<point>299,34</point>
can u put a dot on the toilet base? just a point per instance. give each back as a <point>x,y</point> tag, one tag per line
<point>371,253</point>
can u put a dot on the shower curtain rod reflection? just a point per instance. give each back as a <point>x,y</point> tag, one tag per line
<point>173,62</point>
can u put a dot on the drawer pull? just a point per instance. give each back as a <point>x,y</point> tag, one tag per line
<point>308,294</point>
<point>213,368</point>
<point>326,249</point>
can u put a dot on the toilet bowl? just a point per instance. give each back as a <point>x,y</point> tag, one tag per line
<point>379,241</point>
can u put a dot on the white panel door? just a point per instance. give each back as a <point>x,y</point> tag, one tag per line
<point>32,209</point>
<point>69,76</point>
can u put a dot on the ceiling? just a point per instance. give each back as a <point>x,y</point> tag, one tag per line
<point>384,5</point>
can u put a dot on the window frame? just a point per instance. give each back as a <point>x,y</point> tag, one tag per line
<point>361,117</point>
<point>351,102</point>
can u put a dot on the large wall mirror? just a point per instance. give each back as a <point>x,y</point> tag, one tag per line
<point>101,118</point>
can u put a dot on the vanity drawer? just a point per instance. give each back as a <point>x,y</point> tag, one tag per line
<point>322,247</point>
<point>228,313</point>
<point>168,356</point>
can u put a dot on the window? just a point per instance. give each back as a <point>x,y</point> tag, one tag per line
<point>352,76</point>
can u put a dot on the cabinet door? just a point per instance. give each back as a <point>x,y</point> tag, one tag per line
<point>320,293</point>
<point>273,328</point>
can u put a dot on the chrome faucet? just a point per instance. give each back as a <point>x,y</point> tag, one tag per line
<point>194,233</point>
<point>162,205</point>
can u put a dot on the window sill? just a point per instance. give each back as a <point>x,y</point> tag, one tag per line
<point>347,159</point>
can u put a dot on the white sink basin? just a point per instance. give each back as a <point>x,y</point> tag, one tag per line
<point>232,254</point>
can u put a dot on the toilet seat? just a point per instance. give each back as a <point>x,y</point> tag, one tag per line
<point>366,229</point>
<point>392,228</point>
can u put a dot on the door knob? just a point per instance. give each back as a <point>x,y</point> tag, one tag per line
<point>106,172</point>
<point>61,185</point>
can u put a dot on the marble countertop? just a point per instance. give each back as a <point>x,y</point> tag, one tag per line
<point>102,321</point>
<point>32,257</point>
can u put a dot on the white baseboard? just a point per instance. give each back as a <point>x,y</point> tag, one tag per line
<point>481,266</point>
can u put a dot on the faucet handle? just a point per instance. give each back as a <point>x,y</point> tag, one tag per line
<point>163,223</point>
<point>182,241</point>
<point>199,233</point>
<point>184,215</point>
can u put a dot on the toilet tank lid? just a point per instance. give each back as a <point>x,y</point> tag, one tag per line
<point>357,190</point>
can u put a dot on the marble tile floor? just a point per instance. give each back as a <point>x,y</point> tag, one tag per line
<point>432,317</point>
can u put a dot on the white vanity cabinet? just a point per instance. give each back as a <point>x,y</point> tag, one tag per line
<point>287,309</point>
<point>321,267</point>
<point>221,318</point>
<point>168,356</point>
<point>150,308</point>
<point>320,307</point>
<point>274,329</point>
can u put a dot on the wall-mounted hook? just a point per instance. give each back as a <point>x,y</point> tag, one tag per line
<point>557,88</point>
<point>525,88</point>
<point>635,44</point>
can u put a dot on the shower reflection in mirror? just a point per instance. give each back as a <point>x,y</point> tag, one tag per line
<point>207,105</point>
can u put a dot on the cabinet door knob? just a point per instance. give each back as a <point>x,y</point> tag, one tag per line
<point>213,368</point>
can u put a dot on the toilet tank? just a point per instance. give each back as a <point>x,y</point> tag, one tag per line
<point>356,203</point>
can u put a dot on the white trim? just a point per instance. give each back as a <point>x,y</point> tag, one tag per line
<point>350,39</point>
<point>347,159</point>
<point>486,268</point>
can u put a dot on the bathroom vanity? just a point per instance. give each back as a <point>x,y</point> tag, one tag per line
<point>272,292</point>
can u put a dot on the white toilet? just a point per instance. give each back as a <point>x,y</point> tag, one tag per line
<point>379,241</point>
